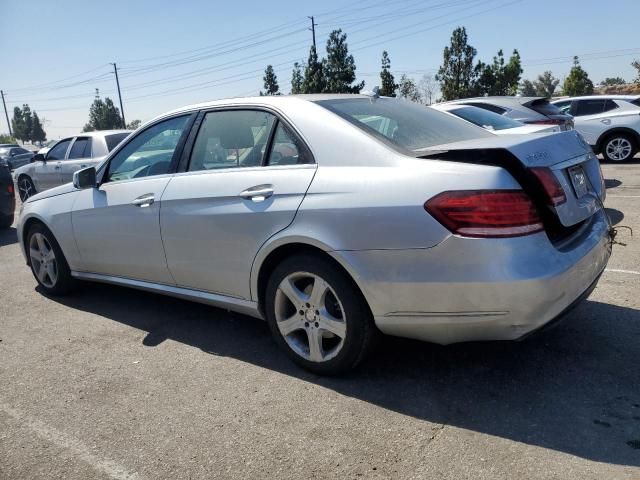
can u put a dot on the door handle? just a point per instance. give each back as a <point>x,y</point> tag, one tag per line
<point>606,121</point>
<point>144,200</point>
<point>259,193</point>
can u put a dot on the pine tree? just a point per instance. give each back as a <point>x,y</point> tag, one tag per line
<point>103,115</point>
<point>457,74</point>
<point>527,89</point>
<point>28,122</point>
<point>499,78</point>
<point>270,82</point>
<point>37,133</point>
<point>577,82</point>
<point>546,84</point>
<point>636,64</point>
<point>17,124</point>
<point>387,82</point>
<point>340,67</point>
<point>314,80</point>
<point>297,79</point>
<point>408,89</point>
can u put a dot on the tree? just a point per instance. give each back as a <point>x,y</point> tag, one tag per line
<point>577,82</point>
<point>546,84</point>
<point>528,89</point>
<point>27,118</point>
<point>103,115</point>
<point>428,88</point>
<point>387,82</point>
<point>636,64</point>
<point>17,124</point>
<point>457,75</point>
<point>499,78</point>
<point>613,82</point>
<point>407,89</point>
<point>340,67</point>
<point>4,138</point>
<point>37,132</point>
<point>133,125</point>
<point>270,79</point>
<point>314,80</point>
<point>297,79</point>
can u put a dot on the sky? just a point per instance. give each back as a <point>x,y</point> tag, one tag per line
<point>174,53</point>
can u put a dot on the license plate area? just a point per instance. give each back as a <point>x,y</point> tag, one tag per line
<point>578,181</point>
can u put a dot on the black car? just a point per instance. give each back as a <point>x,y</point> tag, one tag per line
<point>7,197</point>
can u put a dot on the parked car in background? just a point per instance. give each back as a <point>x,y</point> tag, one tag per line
<point>47,146</point>
<point>67,156</point>
<point>334,217</point>
<point>7,197</point>
<point>609,123</point>
<point>529,110</point>
<point>498,124</point>
<point>15,157</point>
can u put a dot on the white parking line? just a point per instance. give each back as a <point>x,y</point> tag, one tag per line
<point>62,440</point>
<point>616,270</point>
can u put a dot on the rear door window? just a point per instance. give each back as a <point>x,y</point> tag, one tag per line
<point>287,149</point>
<point>81,148</point>
<point>589,107</point>
<point>609,105</point>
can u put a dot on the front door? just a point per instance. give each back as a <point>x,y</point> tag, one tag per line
<point>79,157</point>
<point>117,225</point>
<point>47,173</point>
<point>238,191</point>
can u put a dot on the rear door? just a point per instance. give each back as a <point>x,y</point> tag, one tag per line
<point>245,178</point>
<point>79,157</point>
<point>47,173</point>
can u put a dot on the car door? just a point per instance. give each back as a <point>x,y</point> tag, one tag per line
<point>47,172</point>
<point>246,177</point>
<point>589,119</point>
<point>117,224</point>
<point>79,157</point>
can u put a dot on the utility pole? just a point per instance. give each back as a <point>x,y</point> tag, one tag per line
<point>6,114</point>
<point>313,30</point>
<point>115,70</point>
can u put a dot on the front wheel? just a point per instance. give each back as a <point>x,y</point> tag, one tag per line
<point>318,316</point>
<point>619,148</point>
<point>47,262</point>
<point>26,188</point>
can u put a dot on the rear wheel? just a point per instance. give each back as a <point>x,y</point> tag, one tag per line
<point>318,316</point>
<point>619,148</point>
<point>47,261</point>
<point>26,188</point>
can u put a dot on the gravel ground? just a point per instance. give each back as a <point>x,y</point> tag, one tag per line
<point>116,383</point>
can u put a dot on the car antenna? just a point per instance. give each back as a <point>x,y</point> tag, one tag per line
<point>373,93</point>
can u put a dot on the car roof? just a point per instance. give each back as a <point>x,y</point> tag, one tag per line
<point>601,97</point>
<point>497,100</point>
<point>101,133</point>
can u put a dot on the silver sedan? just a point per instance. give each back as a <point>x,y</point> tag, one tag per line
<point>335,218</point>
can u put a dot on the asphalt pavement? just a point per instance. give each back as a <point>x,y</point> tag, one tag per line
<point>115,383</point>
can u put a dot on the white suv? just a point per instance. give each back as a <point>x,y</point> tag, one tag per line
<point>609,123</point>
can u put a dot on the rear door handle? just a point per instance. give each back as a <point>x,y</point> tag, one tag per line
<point>144,200</point>
<point>259,193</point>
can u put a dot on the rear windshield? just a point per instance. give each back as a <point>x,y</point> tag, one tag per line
<point>485,118</point>
<point>544,107</point>
<point>403,124</point>
<point>114,139</point>
<point>636,102</point>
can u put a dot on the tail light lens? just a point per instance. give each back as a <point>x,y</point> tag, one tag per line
<point>553,189</point>
<point>10,188</point>
<point>485,213</point>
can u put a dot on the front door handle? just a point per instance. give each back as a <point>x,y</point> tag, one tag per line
<point>259,193</point>
<point>144,200</point>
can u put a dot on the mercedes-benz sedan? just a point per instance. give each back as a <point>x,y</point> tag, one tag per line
<point>334,217</point>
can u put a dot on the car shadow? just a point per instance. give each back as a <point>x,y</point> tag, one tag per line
<point>612,183</point>
<point>573,388</point>
<point>8,236</point>
<point>615,216</point>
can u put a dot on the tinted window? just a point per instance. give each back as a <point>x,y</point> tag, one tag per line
<point>564,106</point>
<point>19,151</point>
<point>636,102</point>
<point>287,149</point>
<point>148,153</point>
<point>408,125</point>
<point>485,118</point>
<point>487,106</point>
<point>543,107</point>
<point>114,139</point>
<point>230,139</point>
<point>58,151</point>
<point>81,148</point>
<point>609,105</point>
<point>589,107</point>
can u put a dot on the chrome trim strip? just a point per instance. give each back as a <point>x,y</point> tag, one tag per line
<point>238,305</point>
<point>446,314</point>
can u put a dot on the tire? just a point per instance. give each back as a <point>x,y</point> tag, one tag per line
<point>26,188</point>
<point>6,221</point>
<point>52,273</point>
<point>326,307</point>
<point>619,147</point>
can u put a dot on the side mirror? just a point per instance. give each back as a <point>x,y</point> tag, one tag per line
<point>85,178</point>
<point>38,157</point>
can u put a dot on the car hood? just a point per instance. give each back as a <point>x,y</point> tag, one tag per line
<point>53,192</point>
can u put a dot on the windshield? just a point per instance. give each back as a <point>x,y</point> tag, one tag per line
<point>114,140</point>
<point>485,118</point>
<point>401,123</point>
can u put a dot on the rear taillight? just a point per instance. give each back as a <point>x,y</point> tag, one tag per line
<point>10,188</point>
<point>547,121</point>
<point>553,189</point>
<point>485,213</point>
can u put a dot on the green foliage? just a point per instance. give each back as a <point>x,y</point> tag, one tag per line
<point>636,64</point>
<point>314,80</point>
<point>103,115</point>
<point>387,82</point>
<point>577,82</point>
<point>339,67</point>
<point>408,89</point>
<point>37,132</point>
<point>133,124</point>
<point>4,138</point>
<point>612,82</point>
<point>544,86</point>
<point>17,124</point>
<point>499,78</point>
<point>527,89</point>
<point>26,125</point>
<point>297,79</point>
<point>457,74</point>
<point>270,80</point>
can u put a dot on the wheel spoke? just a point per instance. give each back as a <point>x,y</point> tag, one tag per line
<point>318,292</point>
<point>41,246</point>
<point>329,323</point>
<point>35,255</point>
<point>294,295</point>
<point>41,273</point>
<point>289,325</point>
<point>315,345</point>
<point>51,272</point>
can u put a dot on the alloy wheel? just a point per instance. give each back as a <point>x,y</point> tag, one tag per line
<point>310,316</point>
<point>619,149</point>
<point>43,260</point>
<point>25,188</point>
